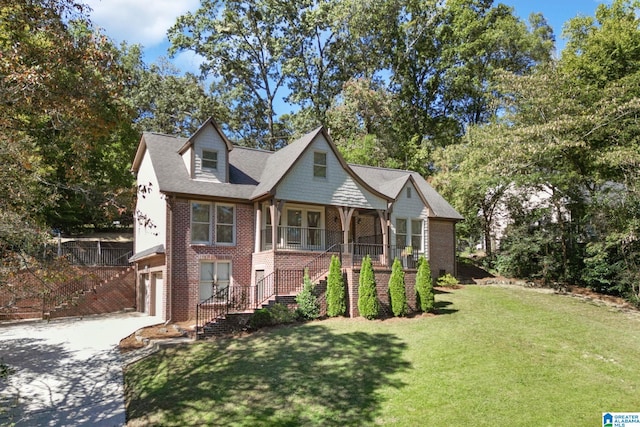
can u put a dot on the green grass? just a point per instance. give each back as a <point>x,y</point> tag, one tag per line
<point>493,356</point>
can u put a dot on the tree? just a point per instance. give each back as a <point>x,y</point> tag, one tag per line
<point>308,305</point>
<point>61,81</point>
<point>397,290</point>
<point>166,101</point>
<point>243,45</point>
<point>336,298</point>
<point>424,286</point>
<point>368,304</point>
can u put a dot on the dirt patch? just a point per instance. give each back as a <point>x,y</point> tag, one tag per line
<point>141,337</point>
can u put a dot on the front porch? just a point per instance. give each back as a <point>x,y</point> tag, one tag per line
<point>288,282</point>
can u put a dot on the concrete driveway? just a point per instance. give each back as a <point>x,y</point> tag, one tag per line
<point>66,372</point>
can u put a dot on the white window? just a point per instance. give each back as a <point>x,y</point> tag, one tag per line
<point>303,229</point>
<point>319,164</point>
<point>401,233</point>
<point>205,215</point>
<point>225,224</point>
<point>200,222</point>
<point>215,278</point>
<point>209,160</point>
<point>416,234</point>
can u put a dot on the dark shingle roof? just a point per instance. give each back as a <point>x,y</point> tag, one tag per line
<point>254,173</point>
<point>391,181</point>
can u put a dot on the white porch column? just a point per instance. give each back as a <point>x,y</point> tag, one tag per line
<point>275,209</point>
<point>345,218</point>
<point>257,207</point>
<point>384,226</point>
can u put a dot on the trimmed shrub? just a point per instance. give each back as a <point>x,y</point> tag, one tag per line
<point>425,298</point>
<point>447,281</point>
<point>260,318</point>
<point>336,295</point>
<point>368,304</point>
<point>397,290</point>
<point>308,305</point>
<point>280,314</point>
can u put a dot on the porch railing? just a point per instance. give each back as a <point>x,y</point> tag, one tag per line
<point>289,282</point>
<point>300,238</point>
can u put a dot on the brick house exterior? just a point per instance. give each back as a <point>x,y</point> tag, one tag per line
<point>206,212</point>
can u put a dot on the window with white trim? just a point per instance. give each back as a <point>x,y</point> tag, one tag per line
<point>416,234</point>
<point>210,160</point>
<point>213,223</point>
<point>401,233</point>
<point>319,164</point>
<point>215,278</point>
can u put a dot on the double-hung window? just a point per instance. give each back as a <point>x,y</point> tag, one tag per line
<point>319,164</point>
<point>210,160</point>
<point>416,234</point>
<point>213,223</point>
<point>401,233</point>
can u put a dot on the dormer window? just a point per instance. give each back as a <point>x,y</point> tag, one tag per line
<point>210,160</point>
<point>319,164</point>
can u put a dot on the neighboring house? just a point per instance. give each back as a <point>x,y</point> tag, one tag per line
<point>206,213</point>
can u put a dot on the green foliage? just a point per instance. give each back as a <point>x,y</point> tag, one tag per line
<point>368,304</point>
<point>281,314</point>
<point>425,299</point>
<point>447,281</point>
<point>397,290</point>
<point>308,305</point>
<point>336,292</point>
<point>260,318</point>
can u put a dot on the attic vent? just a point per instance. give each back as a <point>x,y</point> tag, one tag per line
<point>408,192</point>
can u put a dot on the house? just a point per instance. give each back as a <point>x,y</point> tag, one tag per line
<point>219,225</point>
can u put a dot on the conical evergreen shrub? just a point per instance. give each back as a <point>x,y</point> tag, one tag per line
<point>368,304</point>
<point>308,305</point>
<point>336,297</point>
<point>397,290</point>
<point>425,298</point>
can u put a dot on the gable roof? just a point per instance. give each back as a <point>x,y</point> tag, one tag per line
<point>255,173</point>
<point>283,160</point>
<point>391,182</point>
<point>209,122</point>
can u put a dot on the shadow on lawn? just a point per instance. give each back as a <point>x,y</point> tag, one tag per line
<point>301,375</point>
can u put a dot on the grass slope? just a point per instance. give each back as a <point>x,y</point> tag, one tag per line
<point>493,356</point>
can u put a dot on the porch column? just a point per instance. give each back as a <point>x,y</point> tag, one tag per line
<point>345,217</point>
<point>384,226</point>
<point>257,207</point>
<point>275,209</point>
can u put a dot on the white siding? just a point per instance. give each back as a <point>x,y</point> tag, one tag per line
<point>410,208</point>
<point>153,206</point>
<point>337,189</point>
<point>186,158</point>
<point>209,139</point>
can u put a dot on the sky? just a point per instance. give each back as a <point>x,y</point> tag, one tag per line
<point>146,22</point>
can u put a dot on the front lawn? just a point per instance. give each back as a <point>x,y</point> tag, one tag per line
<point>493,356</point>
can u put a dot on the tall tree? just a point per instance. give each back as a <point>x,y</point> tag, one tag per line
<point>244,44</point>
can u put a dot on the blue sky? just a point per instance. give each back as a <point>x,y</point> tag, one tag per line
<point>146,21</point>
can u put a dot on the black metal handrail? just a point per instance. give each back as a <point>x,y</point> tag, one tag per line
<point>214,307</point>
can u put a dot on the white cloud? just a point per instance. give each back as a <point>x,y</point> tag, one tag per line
<point>142,22</point>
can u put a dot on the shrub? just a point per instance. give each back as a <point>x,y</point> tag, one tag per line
<point>397,291</point>
<point>336,296</point>
<point>425,298</point>
<point>447,281</point>
<point>260,318</point>
<point>308,306</point>
<point>281,314</point>
<point>368,304</point>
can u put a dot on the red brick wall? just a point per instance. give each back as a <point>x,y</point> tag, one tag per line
<point>185,257</point>
<point>442,247</point>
